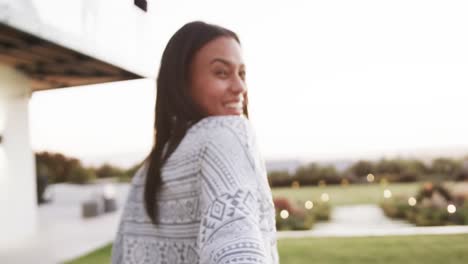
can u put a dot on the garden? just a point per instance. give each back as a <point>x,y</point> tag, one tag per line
<point>433,205</point>
<point>303,214</point>
<point>419,193</point>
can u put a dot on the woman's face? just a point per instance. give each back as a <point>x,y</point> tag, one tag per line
<point>217,78</point>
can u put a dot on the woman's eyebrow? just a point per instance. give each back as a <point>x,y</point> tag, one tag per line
<point>224,61</point>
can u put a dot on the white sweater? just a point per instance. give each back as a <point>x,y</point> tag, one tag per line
<point>215,204</point>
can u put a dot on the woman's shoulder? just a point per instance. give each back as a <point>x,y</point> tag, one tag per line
<point>139,177</point>
<point>224,127</point>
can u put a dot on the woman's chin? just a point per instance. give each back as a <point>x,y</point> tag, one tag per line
<point>227,111</point>
<point>233,112</point>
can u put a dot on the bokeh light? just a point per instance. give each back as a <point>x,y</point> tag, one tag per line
<point>325,197</point>
<point>309,205</point>
<point>284,214</point>
<point>412,201</point>
<point>387,193</point>
<point>451,208</point>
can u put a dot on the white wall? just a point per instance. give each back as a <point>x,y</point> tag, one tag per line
<point>18,209</point>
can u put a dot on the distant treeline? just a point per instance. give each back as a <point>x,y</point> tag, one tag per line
<point>58,168</point>
<point>390,170</point>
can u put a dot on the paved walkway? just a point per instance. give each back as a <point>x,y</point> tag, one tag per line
<point>367,220</point>
<point>64,235</point>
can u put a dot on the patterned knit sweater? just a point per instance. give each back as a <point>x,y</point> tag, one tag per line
<point>215,204</point>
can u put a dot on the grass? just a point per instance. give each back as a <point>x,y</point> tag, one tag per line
<point>347,195</point>
<point>101,255</point>
<point>447,249</point>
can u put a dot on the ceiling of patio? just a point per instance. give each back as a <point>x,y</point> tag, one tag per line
<point>51,66</point>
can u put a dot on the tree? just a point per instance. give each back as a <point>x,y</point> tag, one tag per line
<point>58,166</point>
<point>446,168</point>
<point>279,179</point>
<point>109,171</point>
<point>389,166</point>
<point>362,168</point>
<point>308,175</point>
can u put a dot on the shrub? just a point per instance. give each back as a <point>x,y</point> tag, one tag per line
<point>301,220</point>
<point>462,175</point>
<point>109,171</point>
<point>396,207</point>
<point>322,211</point>
<point>463,211</point>
<point>80,175</point>
<point>447,168</point>
<point>57,167</point>
<point>279,179</point>
<point>408,176</point>
<point>308,175</point>
<point>313,173</point>
<point>361,168</point>
<point>431,207</point>
<point>282,204</point>
<point>429,189</point>
<point>299,217</point>
<point>430,216</point>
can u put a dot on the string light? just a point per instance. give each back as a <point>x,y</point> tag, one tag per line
<point>309,205</point>
<point>451,208</point>
<point>284,214</point>
<point>412,201</point>
<point>387,193</point>
<point>325,197</point>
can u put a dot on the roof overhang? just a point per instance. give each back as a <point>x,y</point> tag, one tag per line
<point>51,66</point>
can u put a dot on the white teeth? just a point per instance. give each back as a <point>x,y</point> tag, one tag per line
<point>234,105</point>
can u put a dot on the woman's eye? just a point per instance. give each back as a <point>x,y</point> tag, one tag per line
<point>221,73</point>
<point>242,75</point>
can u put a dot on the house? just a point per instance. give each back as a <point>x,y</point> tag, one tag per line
<point>54,45</point>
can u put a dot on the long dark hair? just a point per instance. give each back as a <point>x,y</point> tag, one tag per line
<point>175,111</point>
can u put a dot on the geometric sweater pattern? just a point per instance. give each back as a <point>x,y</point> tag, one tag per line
<point>214,204</point>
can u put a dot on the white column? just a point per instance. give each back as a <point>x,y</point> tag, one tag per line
<point>18,206</point>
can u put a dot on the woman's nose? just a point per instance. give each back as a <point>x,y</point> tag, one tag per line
<point>238,85</point>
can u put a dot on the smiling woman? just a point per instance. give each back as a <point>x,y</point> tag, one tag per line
<point>202,195</point>
<point>218,78</point>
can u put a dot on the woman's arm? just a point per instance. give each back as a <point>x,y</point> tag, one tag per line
<point>229,229</point>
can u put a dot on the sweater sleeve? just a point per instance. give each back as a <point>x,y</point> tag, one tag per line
<point>133,211</point>
<point>229,228</point>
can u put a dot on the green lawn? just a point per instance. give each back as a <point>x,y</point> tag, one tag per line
<point>446,249</point>
<point>99,256</point>
<point>352,194</point>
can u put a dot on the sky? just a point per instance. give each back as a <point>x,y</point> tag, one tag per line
<point>326,79</point>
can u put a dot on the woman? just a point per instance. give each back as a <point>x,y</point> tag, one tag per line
<point>202,194</point>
